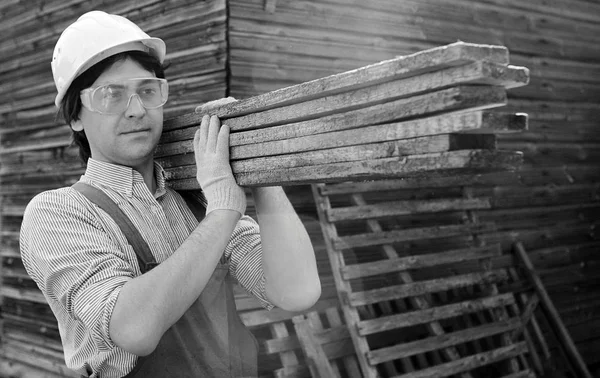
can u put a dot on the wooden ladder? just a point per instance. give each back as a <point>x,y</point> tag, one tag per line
<point>394,253</point>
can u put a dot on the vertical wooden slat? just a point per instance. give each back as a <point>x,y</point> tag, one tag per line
<point>315,356</point>
<point>537,332</point>
<point>350,364</point>
<point>279,330</point>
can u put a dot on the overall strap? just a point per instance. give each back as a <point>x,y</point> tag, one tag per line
<point>145,258</point>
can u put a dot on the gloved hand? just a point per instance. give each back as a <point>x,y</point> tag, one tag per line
<point>211,149</point>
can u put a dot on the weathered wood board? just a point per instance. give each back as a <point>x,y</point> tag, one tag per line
<point>352,126</point>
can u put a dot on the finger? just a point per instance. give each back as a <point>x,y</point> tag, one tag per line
<point>197,141</point>
<point>203,131</point>
<point>213,105</point>
<point>213,133</point>
<point>223,142</point>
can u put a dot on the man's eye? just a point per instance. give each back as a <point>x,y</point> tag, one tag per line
<point>148,90</point>
<point>112,93</point>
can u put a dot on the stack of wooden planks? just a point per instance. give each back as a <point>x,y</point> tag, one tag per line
<point>409,116</point>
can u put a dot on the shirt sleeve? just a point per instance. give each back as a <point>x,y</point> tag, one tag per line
<point>244,251</point>
<point>74,261</point>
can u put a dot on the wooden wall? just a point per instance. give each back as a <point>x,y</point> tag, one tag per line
<point>551,205</point>
<point>35,153</point>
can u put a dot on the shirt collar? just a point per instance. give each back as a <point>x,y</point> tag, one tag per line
<point>121,178</point>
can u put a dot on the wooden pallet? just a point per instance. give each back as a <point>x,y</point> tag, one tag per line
<point>576,362</point>
<point>408,313</point>
<point>313,343</point>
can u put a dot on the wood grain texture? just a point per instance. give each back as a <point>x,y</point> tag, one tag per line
<point>455,54</point>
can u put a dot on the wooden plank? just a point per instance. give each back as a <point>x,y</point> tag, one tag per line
<point>502,123</point>
<point>368,327</point>
<point>23,294</point>
<point>315,356</point>
<point>455,54</point>
<point>362,135</point>
<point>338,104</point>
<point>419,261</point>
<point>395,236</point>
<point>479,73</point>
<point>10,352</point>
<point>332,351</point>
<point>430,166</point>
<point>469,363</point>
<point>287,357</point>
<point>526,315</point>
<point>443,341</point>
<point>527,175</point>
<point>445,100</point>
<point>553,317</point>
<point>356,153</point>
<point>521,374</point>
<point>330,335</point>
<point>276,315</point>
<point>17,369</point>
<point>381,114</point>
<point>350,362</point>
<point>33,344</point>
<point>36,322</point>
<point>315,321</point>
<point>418,288</point>
<point>396,208</point>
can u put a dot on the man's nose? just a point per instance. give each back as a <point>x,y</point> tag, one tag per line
<point>135,108</point>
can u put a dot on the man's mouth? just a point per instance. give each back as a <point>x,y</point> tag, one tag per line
<point>135,131</point>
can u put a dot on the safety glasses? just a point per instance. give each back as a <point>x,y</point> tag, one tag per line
<point>114,98</point>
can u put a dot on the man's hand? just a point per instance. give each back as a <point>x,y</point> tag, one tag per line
<point>211,148</point>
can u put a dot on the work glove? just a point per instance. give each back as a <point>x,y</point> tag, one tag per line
<point>211,149</point>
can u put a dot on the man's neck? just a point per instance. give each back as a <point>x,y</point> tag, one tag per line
<point>147,172</point>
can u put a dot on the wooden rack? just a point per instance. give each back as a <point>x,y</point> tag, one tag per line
<point>409,313</point>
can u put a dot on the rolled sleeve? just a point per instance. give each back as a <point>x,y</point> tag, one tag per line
<point>245,255</point>
<point>75,263</point>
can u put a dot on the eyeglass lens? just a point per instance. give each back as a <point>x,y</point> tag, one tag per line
<point>115,97</point>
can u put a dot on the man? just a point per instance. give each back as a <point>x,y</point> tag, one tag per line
<point>118,316</point>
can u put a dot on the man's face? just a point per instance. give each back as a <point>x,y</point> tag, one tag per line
<point>128,138</point>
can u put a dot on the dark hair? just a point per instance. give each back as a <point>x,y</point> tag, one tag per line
<point>70,107</point>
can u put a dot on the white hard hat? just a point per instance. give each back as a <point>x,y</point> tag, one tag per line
<point>95,36</point>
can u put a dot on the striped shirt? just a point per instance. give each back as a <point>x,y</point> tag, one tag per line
<point>80,259</point>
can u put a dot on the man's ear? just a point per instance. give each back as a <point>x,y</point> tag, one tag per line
<point>77,125</point>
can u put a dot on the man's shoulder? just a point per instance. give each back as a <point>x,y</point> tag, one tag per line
<point>60,198</point>
<point>64,193</point>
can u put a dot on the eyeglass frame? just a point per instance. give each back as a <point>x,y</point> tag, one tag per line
<point>87,94</point>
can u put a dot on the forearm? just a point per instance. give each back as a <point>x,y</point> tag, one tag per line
<point>291,277</point>
<point>151,303</point>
